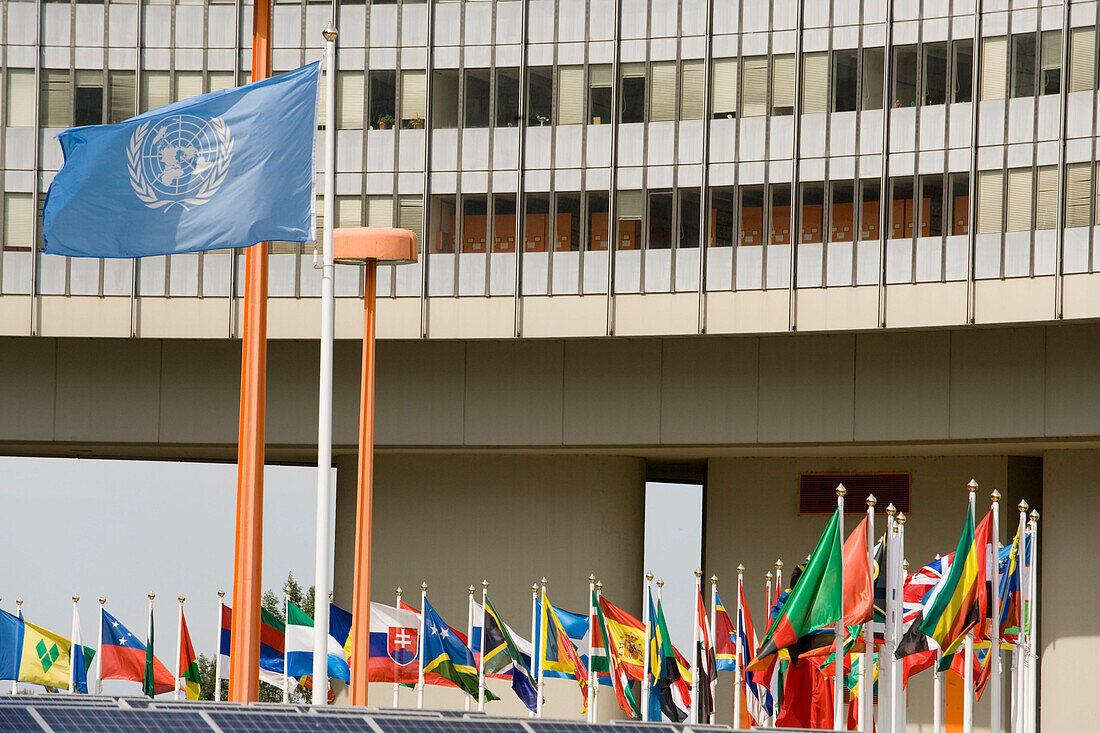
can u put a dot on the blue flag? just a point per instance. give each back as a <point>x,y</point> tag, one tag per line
<point>225,169</point>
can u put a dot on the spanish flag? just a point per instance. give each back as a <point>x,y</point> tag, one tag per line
<point>961,602</point>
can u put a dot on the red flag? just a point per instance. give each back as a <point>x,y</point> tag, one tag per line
<point>859,598</point>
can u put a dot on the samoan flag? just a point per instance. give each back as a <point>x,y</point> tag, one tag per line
<point>124,657</point>
<point>226,169</point>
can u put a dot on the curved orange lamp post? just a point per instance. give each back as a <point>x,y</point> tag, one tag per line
<point>367,246</point>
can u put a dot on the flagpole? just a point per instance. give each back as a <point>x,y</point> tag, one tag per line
<point>1018,653</point>
<point>99,650</point>
<point>72,661</point>
<point>396,673</point>
<point>481,655</point>
<point>591,647</point>
<point>610,666</point>
<point>767,623</point>
<point>645,651</point>
<point>470,632</point>
<point>420,664</point>
<point>968,647</point>
<point>738,683</point>
<point>898,679</point>
<point>865,712</point>
<point>937,691</point>
<point>995,621</point>
<point>714,641</point>
<point>179,646</point>
<point>889,643</point>
<point>542,647</point>
<point>149,651</point>
<point>534,638</point>
<point>19,613</point>
<point>286,665</point>
<point>693,708</point>
<point>1033,629</point>
<point>840,720</point>
<point>218,649</point>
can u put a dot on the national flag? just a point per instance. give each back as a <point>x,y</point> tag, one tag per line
<point>626,637</point>
<point>272,639</point>
<point>556,651</point>
<point>188,664</point>
<point>82,657</point>
<point>225,169</point>
<point>814,601</point>
<point>394,644</point>
<point>859,600</point>
<point>758,698</point>
<point>30,653</point>
<point>447,656</point>
<point>707,662</point>
<point>125,658</point>
<point>526,648</point>
<point>502,654</point>
<point>620,680</point>
<point>577,630</point>
<point>960,604</point>
<point>725,638</point>
<point>664,672</point>
<point>300,649</point>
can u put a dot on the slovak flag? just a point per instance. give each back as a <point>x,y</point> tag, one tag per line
<point>394,644</point>
<point>124,657</point>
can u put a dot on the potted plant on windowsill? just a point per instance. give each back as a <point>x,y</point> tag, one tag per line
<point>385,122</point>
<point>417,122</point>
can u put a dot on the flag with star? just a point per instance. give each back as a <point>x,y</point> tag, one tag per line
<point>124,657</point>
<point>447,656</point>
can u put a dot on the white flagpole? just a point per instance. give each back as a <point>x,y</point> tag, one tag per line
<point>995,622</point>
<point>542,648</point>
<point>179,648</point>
<point>286,653</point>
<point>596,697</point>
<point>840,719</point>
<point>713,641</point>
<point>592,631</point>
<point>420,656</point>
<point>534,638</point>
<point>898,679</point>
<point>1021,639</point>
<point>738,683</point>
<point>645,651</point>
<point>865,711</point>
<point>19,613</point>
<point>937,692</point>
<point>1031,713</point>
<point>396,674</point>
<point>72,660</point>
<point>968,647</point>
<point>889,643</point>
<point>470,631</point>
<point>217,649</point>
<point>149,633</point>
<point>767,620</point>
<point>694,706</point>
<point>481,655</point>
<point>99,650</point>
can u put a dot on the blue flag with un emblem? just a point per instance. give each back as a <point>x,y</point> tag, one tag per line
<point>225,169</point>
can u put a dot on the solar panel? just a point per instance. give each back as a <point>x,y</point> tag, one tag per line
<point>396,724</point>
<point>82,719</point>
<point>266,722</point>
<point>50,699</point>
<point>18,720</point>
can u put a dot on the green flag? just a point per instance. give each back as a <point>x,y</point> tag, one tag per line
<point>147,686</point>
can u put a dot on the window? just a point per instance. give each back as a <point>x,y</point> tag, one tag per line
<point>476,98</point>
<point>874,63</point>
<point>934,76</point>
<point>660,220</point>
<point>960,203</point>
<point>413,98</point>
<point>379,211</point>
<point>689,217</point>
<point>475,236</point>
<point>632,90</point>
<point>662,91</point>
<point>567,235</point>
<point>123,95</point>
<point>783,85</point>
<point>540,95</point>
<point>1082,59</point>
<point>599,94</point>
<point>841,212</point>
<point>994,60</point>
<point>536,223</point>
<point>1078,195</point>
<point>1019,200</point>
<point>990,197</point>
<point>19,104</point>
<point>410,215</point>
<point>507,102</point>
<point>383,98</point>
<point>1050,62</point>
<point>931,206</point>
<point>901,208</point>
<point>629,214</point>
<point>810,228</point>
<point>597,220</point>
<point>780,219</point>
<point>722,203</point>
<point>88,101</point>
<point>216,81</point>
<point>188,84</point>
<point>19,220</point>
<point>754,86</point>
<point>348,211</point>
<point>962,70</point>
<point>570,95</point>
<point>815,82</point>
<point>504,223</point>
<point>692,104</point>
<point>1046,197</point>
<point>444,99</point>
<point>441,224</point>
<point>904,87</point>
<point>1023,65</point>
<point>155,89</point>
<point>845,79</point>
<point>56,102</point>
<point>723,89</point>
<point>751,230</point>
<point>870,196</point>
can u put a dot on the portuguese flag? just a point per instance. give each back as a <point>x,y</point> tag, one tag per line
<point>188,667</point>
<point>813,603</point>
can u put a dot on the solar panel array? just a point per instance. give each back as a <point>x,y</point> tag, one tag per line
<point>97,714</point>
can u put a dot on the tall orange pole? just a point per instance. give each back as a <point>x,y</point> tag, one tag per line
<point>364,507</point>
<point>244,659</point>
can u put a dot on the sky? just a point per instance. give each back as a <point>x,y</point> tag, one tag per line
<point>673,552</point>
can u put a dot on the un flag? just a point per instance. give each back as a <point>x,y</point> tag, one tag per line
<point>225,169</point>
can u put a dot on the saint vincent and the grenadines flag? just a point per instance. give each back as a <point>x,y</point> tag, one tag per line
<point>30,653</point>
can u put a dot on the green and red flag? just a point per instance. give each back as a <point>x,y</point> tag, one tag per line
<point>960,602</point>
<point>188,664</point>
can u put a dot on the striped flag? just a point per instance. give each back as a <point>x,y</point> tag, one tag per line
<point>960,604</point>
<point>188,667</point>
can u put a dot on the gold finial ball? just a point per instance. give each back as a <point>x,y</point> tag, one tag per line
<point>286,589</point>
<point>740,569</point>
<point>779,562</point>
<point>543,582</point>
<point>891,510</point>
<point>901,518</point>
<point>181,599</point>
<point>424,585</point>
<point>769,576</point>
<point>591,577</point>
<point>152,596</point>
<point>995,495</point>
<point>660,582</point>
<point>470,590</point>
<point>840,490</point>
<point>649,576</point>
<point>599,585</point>
<point>221,593</point>
<point>399,591</point>
<point>1022,506</point>
<point>102,600</point>
<point>871,500</point>
<point>330,33</point>
<point>972,486</point>
<point>698,573</point>
<point>76,598</point>
<point>905,564</point>
<point>713,579</point>
<point>534,587</point>
<point>19,601</point>
<point>1034,515</point>
<point>485,583</point>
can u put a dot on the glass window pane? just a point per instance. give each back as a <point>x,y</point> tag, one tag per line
<point>567,234</point>
<point>88,100</point>
<point>783,84</point>
<point>56,102</point>
<point>869,198</point>
<point>629,214</point>
<point>874,62</point>
<point>19,104</point>
<point>476,102</point>
<point>813,204</point>
<point>441,224</point>
<point>905,76</point>
<point>780,214</point>
<point>963,70</point>
<point>597,220</point>
<point>931,206</point>
<point>536,223</point>
<point>599,94</point>
<point>845,79</point>
<point>504,223</point>
<point>444,99</point>
<point>689,217</point>
<point>660,220</point>
<point>507,102</point>
<point>901,208</point>
<point>994,62</point>
<point>1050,82</point>
<point>413,98</point>
<point>570,95</point>
<point>722,201</point>
<point>540,96</point>
<point>723,89</point>
<point>1023,65</point>
<point>841,212</point>
<point>752,216</point>
<point>474,222</point>
<point>632,89</point>
<point>934,75</point>
<point>383,98</point>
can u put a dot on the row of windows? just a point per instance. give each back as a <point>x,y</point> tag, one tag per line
<point>1020,65</point>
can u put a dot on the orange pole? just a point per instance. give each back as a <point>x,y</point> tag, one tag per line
<point>244,659</point>
<point>364,506</point>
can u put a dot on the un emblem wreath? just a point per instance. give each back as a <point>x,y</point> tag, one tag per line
<point>175,167</point>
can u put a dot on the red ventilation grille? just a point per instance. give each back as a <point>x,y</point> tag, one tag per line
<point>817,492</point>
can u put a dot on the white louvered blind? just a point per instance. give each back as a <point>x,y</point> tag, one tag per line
<point>349,211</point>
<point>754,86</point>
<point>56,102</point>
<point>379,211</point>
<point>783,83</point>
<point>155,90</point>
<point>18,219</point>
<point>631,204</point>
<point>692,104</point>
<point>994,67</point>
<point>723,87</point>
<point>990,197</point>
<point>1046,198</point>
<point>410,215</point>
<point>188,84</point>
<point>1050,50</point>
<point>1082,59</point>
<point>219,80</point>
<point>123,96</point>
<point>662,91</point>
<point>412,94</point>
<point>1078,182</point>
<point>350,88</point>
<point>1019,199</point>
<point>19,94</point>
<point>570,95</point>
<point>815,82</point>
<point>600,75</point>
